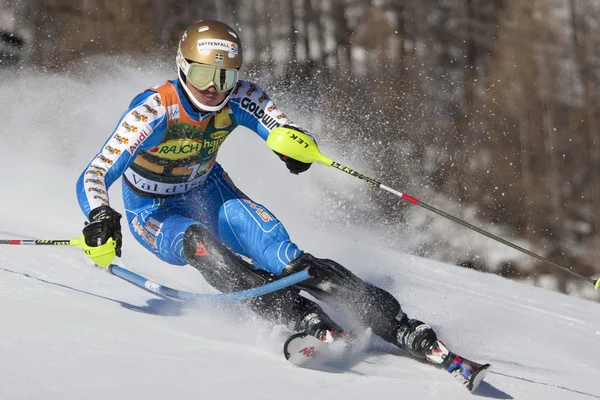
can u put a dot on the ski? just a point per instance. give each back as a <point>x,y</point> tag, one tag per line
<point>307,351</point>
<point>466,372</point>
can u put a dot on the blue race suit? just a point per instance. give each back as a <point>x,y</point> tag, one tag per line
<point>166,152</point>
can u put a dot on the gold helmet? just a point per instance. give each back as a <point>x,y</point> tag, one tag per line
<point>209,54</point>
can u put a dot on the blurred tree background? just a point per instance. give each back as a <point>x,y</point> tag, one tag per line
<point>490,105</point>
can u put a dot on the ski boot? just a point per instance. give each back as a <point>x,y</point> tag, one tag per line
<point>316,323</point>
<point>415,337</point>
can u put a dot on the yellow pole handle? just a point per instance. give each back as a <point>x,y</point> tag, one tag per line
<point>102,255</point>
<point>296,145</point>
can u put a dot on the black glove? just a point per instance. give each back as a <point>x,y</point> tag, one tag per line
<point>104,223</point>
<point>294,166</point>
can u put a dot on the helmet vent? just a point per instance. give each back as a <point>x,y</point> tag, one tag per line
<point>203,29</point>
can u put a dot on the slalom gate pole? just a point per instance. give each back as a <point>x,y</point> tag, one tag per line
<point>103,256</point>
<point>301,147</point>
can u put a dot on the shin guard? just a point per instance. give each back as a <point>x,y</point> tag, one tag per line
<point>227,272</point>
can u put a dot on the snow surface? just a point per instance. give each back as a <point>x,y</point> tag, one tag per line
<point>72,331</point>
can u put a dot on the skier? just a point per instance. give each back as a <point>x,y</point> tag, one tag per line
<point>182,206</point>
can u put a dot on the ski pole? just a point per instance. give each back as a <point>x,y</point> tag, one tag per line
<point>34,242</point>
<point>105,253</point>
<point>180,295</point>
<point>101,255</point>
<point>301,147</point>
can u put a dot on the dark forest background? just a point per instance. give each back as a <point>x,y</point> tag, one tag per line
<point>492,105</point>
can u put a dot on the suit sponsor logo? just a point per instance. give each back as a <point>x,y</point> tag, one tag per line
<point>150,109</point>
<point>112,150</point>
<point>251,89</point>
<point>237,88</point>
<point>177,149</point>
<point>139,117</point>
<point>97,190</point>
<point>94,166</point>
<point>160,188</point>
<point>143,135</point>
<point>145,234</point>
<point>121,139</point>
<point>129,127</point>
<point>173,111</point>
<point>94,172</point>
<point>219,134</point>
<point>263,214</point>
<point>106,160</point>
<point>103,200</point>
<point>153,226</point>
<point>268,121</point>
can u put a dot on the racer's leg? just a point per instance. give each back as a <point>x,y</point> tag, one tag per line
<point>247,227</point>
<point>373,306</point>
<point>157,225</point>
<point>169,228</point>
<point>228,272</point>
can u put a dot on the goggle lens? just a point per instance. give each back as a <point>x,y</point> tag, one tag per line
<point>203,76</point>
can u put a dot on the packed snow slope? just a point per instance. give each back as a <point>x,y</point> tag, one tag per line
<point>70,330</point>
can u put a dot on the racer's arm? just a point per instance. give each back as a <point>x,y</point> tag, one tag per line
<point>139,128</point>
<point>255,110</point>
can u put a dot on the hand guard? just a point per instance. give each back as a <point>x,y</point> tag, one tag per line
<point>104,223</point>
<point>294,166</point>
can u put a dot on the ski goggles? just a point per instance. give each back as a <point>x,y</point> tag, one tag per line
<point>203,76</point>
